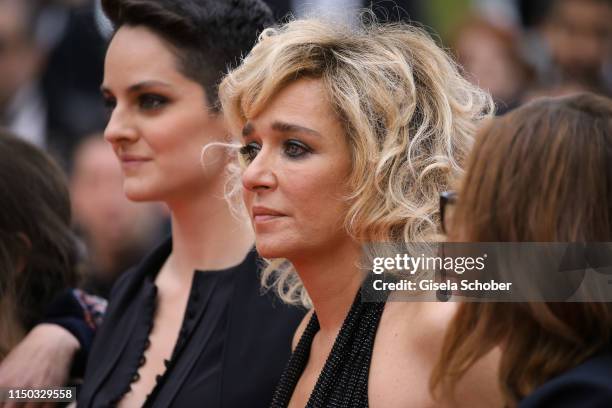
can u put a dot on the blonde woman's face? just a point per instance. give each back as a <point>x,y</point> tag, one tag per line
<point>294,184</point>
<point>159,119</point>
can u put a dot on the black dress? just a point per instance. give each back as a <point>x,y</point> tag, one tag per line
<point>343,382</point>
<point>587,385</point>
<point>232,347</point>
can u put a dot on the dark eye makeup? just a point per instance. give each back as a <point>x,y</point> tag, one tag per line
<point>150,101</point>
<point>145,102</point>
<point>293,149</point>
<point>109,102</point>
<point>249,151</point>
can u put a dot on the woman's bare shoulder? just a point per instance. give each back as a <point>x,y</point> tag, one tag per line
<point>417,323</point>
<point>407,346</point>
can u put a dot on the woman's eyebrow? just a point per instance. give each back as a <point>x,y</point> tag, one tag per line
<point>278,126</point>
<point>248,129</point>
<point>139,86</point>
<point>291,128</point>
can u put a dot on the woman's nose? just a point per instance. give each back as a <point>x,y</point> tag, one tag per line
<point>260,174</point>
<point>120,128</point>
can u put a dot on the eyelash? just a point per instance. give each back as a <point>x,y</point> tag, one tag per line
<point>149,102</point>
<point>146,102</point>
<point>109,103</point>
<point>249,151</point>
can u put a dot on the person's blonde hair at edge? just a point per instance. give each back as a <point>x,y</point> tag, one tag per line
<point>408,114</point>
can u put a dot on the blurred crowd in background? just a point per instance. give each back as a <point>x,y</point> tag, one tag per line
<point>51,66</point>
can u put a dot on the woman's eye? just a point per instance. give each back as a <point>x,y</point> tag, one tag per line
<point>295,149</point>
<point>109,103</point>
<point>151,101</point>
<point>250,151</point>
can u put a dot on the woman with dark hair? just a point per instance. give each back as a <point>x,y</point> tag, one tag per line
<point>188,325</point>
<point>38,252</point>
<point>541,173</point>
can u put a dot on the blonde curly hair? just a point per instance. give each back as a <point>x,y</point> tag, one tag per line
<point>408,114</point>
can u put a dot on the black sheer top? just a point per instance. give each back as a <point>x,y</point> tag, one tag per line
<point>230,352</point>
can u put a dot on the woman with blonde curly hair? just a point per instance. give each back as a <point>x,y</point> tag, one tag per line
<point>349,136</point>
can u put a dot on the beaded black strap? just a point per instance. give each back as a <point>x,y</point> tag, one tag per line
<point>343,382</point>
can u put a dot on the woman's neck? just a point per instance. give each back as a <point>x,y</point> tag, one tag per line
<point>332,279</point>
<point>206,235</point>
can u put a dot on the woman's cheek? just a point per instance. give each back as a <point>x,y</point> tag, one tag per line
<point>247,197</point>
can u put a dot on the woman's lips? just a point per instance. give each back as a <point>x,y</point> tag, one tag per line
<point>131,161</point>
<point>264,214</point>
<point>265,218</point>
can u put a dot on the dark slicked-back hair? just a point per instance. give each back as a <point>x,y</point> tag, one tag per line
<point>208,36</point>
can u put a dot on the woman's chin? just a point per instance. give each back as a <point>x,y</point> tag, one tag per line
<point>266,252</point>
<point>272,250</point>
<point>137,194</point>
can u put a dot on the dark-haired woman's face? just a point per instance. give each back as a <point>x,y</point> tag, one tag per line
<point>159,119</point>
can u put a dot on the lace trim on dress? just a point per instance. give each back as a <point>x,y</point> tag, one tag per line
<point>186,329</point>
<point>139,359</point>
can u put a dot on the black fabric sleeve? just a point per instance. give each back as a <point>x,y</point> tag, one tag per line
<point>80,314</point>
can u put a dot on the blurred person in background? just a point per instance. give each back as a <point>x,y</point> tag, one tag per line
<point>490,57</point>
<point>117,232</point>
<point>72,76</point>
<point>566,43</point>
<point>578,35</point>
<point>541,173</point>
<point>23,108</point>
<point>38,252</point>
<point>50,70</point>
